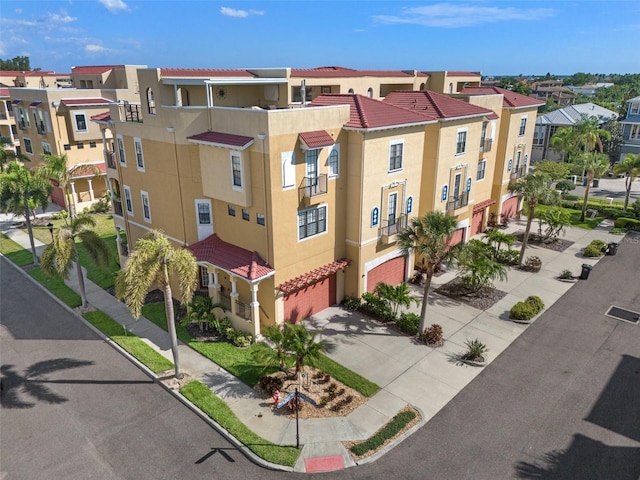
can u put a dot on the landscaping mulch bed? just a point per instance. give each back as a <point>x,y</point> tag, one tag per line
<point>558,245</point>
<point>482,300</point>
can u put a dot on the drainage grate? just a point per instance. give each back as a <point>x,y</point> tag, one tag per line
<point>623,314</point>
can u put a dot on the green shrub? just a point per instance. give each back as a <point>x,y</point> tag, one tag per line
<point>571,197</point>
<point>591,251</point>
<point>522,311</point>
<point>568,204</point>
<point>508,257</point>
<point>635,207</point>
<point>475,350</point>
<point>408,323</point>
<point>269,384</point>
<point>566,274</point>
<point>376,307</point>
<point>351,303</point>
<point>565,186</point>
<point>395,425</point>
<point>535,302</point>
<point>628,223</point>
<point>433,336</point>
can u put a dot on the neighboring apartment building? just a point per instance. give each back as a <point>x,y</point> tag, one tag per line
<point>553,89</point>
<point>34,79</point>
<point>56,121</point>
<point>549,123</point>
<point>8,128</point>
<point>291,201</point>
<point>631,129</point>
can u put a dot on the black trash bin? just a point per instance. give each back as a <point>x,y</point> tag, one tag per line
<point>596,182</point>
<point>612,248</point>
<point>586,269</point>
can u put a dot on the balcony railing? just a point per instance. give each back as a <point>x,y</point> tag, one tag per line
<point>485,145</point>
<point>460,201</point>
<point>390,228</point>
<point>23,125</point>
<point>243,310</point>
<point>130,112</point>
<point>517,173</point>
<point>111,160</point>
<point>3,116</point>
<point>312,187</point>
<point>225,300</point>
<point>117,206</point>
<point>40,127</point>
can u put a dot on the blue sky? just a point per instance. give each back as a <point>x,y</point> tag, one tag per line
<point>492,36</point>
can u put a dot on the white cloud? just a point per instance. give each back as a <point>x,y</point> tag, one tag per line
<point>232,12</point>
<point>452,15</point>
<point>93,48</point>
<point>63,18</point>
<point>114,6</point>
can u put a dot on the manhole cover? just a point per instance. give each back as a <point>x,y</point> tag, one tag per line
<point>623,314</point>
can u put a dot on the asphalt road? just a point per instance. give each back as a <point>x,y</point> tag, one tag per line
<point>561,403</point>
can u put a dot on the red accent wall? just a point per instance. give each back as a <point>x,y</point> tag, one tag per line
<point>510,207</point>
<point>304,303</point>
<point>476,222</point>
<point>57,197</point>
<point>390,272</point>
<point>457,237</point>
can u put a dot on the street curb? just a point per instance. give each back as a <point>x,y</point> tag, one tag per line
<point>222,431</point>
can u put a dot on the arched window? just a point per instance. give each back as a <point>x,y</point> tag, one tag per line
<point>451,88</point>
<point>351,90</point>
<point>370,92</point>
<point>151,102</point>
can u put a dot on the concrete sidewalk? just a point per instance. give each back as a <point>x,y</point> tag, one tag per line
<point>409,373</point>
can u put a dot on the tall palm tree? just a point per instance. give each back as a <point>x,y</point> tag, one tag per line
<point>589,135</point>
<point>429,236</point>
<point>153,261</point>
<point>593,165</point>
<point>7,156</point>
<point>630,167</point>
<point>532,189</point>
<point>18,188</point>
<point>63,251</point>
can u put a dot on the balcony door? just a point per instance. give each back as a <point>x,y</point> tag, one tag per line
<point>456,186</point>
<point>392,209</point>
<point>311,158</point>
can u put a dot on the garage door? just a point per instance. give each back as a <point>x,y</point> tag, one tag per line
<point>304,303</point>
<point>476,222</point>
<point>390,272</point>
<point>457,237</point>
<point>510,207</point>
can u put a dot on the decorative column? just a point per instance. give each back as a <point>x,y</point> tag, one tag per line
<point>74,198</point>
<point>234,295</point>
<point>255,309</point>
<point>91,197</point>
<point>214,285</point>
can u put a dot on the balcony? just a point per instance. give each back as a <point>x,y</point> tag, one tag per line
<point>517,173</point>
<point>117,206</point>
<point>455,203</point>
<point>390,228</point>
<point>485,145</point>
<point>311,188</point>
<point>130,112</point>
<point>111,160</point>
<point>23,125</point>
<point>40,127</point>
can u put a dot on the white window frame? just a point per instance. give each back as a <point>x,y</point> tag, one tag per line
<point>122,154</point>
<point>484,170</point>
<point>288,160</point>
<point>208,204</point>
<point>75,121</point>
<point>27,141</point>
<point>318,208</point>
<point>392,144</point>
<point>522,130</point>
<point>128,199</point>
<point>45,148</point>
<point>334,172</point>
<point>146,212</point>
<point>464,131</point>
<point>634,132</point>
<point>634,108</point>
<point>137,143</point>
<point>236,154</point>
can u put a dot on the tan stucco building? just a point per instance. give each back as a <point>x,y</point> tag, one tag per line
<point>292,200</point>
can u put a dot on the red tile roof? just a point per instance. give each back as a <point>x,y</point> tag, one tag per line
<point>462,74</point>
<point>435,105</point>
<point>317,139</point>
<point>369,113</point>
<point>101,117</point>
<point>229,257</point>
<point>484,204</point>
<point>40,74</point>
<point>35,103</point>
<point>84,170</point>
<point>94,69</point>
<point>73,102</point>
<point>4,92</point>
<point>331,72</point>
<point>220,139</point>
<point>511,99</point>
<point>201,72</point>
<point>314,276</point>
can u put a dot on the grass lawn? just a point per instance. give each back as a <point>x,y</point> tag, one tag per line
<point>57,286</point>
<point>219,411</point>
<point>127,340</point>
<point>102,276</point>
<point>240,362</point>
<point>15,252</point>
<point>574,217</point>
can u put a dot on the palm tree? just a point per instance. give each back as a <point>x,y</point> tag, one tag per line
<point>398,296</point>
<point>7,156</point>
<point>18,188</point>
<point>277,355</point>
<point>498,237</point>
<point>589,135</point>
<point>563,142</point>
<point>429,238</point>
<point>477,266</point>
<point>154,260</point>
<point>303,346</point>
<point>63,251</point>
<point>630,167</point>
<point>532,189</point>
<point>593,165</point>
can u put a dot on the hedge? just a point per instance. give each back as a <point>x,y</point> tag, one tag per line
<point>395,425</point>
<point>628,223</point>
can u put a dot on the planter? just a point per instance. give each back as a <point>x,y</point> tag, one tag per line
<point>532,264</point>
<point>474,363</point>
<point>568,280</point>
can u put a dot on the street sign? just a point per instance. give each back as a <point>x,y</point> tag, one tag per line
<point>285,400</point>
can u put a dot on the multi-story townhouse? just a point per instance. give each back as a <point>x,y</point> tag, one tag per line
<point>631,129</point>
<point>34,79</point>
<point>451,82</point>
<point>291,204</point>
<point>515,139</point>
<point>56,121</point>
<point>8,128</point>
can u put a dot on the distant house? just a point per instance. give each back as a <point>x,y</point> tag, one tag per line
<point>631,129</point>
<point>553,89</point>
<point>589,90</point>
<point>549,123</point>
